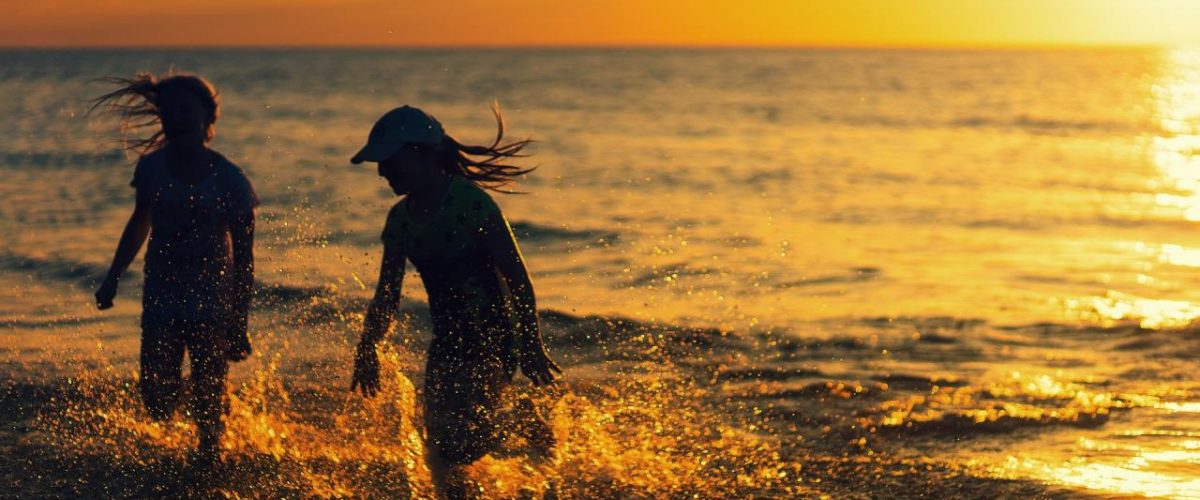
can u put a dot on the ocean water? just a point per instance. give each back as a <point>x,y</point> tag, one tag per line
<point>767,272</point>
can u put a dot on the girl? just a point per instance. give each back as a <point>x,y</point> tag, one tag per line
<point>198,210</point>
<point>481,300</point>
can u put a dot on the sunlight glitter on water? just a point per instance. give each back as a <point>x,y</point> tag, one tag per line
<point>1191,407</point>
<point>1115,308</point>
<point>1141,462</point>
<point>1176,154</point>
<point>1177,151</point>
<point>1151,458</point>
<point>1179,255</point>
<point>1127,478</point>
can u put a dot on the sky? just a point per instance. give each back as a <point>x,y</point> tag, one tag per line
<point>853,23</point>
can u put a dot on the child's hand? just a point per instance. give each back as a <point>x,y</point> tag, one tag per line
<point>366,370</point>
<point>106,293</point>
<point>537,365</point>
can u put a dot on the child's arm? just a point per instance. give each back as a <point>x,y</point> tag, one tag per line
<point>136,231</point>
<point>535,361</point>
<point>241,232</point>
<point>379,318</point>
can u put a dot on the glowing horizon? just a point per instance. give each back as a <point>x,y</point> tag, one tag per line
<point>544,23</point>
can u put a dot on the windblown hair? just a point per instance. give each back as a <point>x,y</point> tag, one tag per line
<point>484,165</point>
<point>136,101</point>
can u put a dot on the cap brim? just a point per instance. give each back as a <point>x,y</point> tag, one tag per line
<point>375,152</point>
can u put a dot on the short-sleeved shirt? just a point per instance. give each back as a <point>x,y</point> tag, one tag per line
<point>189,259</point>
<point>447,249</point>
<point>471,357</point>
<point>459,273</point>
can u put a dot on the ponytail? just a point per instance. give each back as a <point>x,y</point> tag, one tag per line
<point>484,165</point>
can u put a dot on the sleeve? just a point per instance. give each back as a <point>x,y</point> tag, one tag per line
<point>138,176</point>
<point>393,230</point>
<point>141,181</point>
<point>242,195</point>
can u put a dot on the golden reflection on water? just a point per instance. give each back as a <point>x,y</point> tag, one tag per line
<point>1179,256</point>
<point>1116,308</point>
<point>1176,152</point>
<point>1192,407</point>
<point>1129,477</point>
<point>1144,462</point>
<point>1155,460</point>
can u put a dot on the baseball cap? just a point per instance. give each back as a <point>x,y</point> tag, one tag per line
<point>400,126</point>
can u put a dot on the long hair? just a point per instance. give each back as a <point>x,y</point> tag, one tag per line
<point>136,101</point>
<point>484,165</point>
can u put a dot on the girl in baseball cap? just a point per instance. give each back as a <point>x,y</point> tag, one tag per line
<point>481,300</point>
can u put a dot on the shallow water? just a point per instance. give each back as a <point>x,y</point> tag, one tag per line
<point>771,272</point>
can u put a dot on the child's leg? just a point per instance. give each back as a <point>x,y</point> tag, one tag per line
<point>535,428</point>
<point>161,369</point>
<point>241,347</point>
<point>239,344</point>
<point>531,422</point>
<point>450,480</point>
<point>210,402</point>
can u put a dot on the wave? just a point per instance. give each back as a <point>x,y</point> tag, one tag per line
<point>972,423</point>
<point>1053,125</point>
<point>1102,220</point>
<point>62,322</point>
<point>923,322</point>
<point>853,275</point>
<point>56,269</point>
<point>919,338</point>
<point>919,383</point>
<point>1022,223</point>
<point>613,338</point>
<point>765,373</point>
<point>1027,123</point>
<point>667,273</point>
<point>88,275</point>
<point>528,231</point>
<point>26,160</point>
<point>316,303</point>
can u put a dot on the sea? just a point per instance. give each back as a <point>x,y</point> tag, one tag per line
<point>784,273</point>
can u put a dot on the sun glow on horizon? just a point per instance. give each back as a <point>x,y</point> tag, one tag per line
<point>876,23</point>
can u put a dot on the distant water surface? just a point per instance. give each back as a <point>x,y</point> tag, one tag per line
<point>999,246</point>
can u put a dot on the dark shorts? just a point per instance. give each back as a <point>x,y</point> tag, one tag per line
<point>468,369</point>
<point>164,344</point>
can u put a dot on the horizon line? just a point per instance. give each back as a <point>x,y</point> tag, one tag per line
<point>631,46</point>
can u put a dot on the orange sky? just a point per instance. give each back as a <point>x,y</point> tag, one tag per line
<point>598,22</point>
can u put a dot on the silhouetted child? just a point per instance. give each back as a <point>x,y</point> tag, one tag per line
<point>198,210</point>
<point>481,300</point>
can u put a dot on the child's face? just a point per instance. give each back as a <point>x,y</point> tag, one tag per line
<point>184,119</point>
<point>407,170</point>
